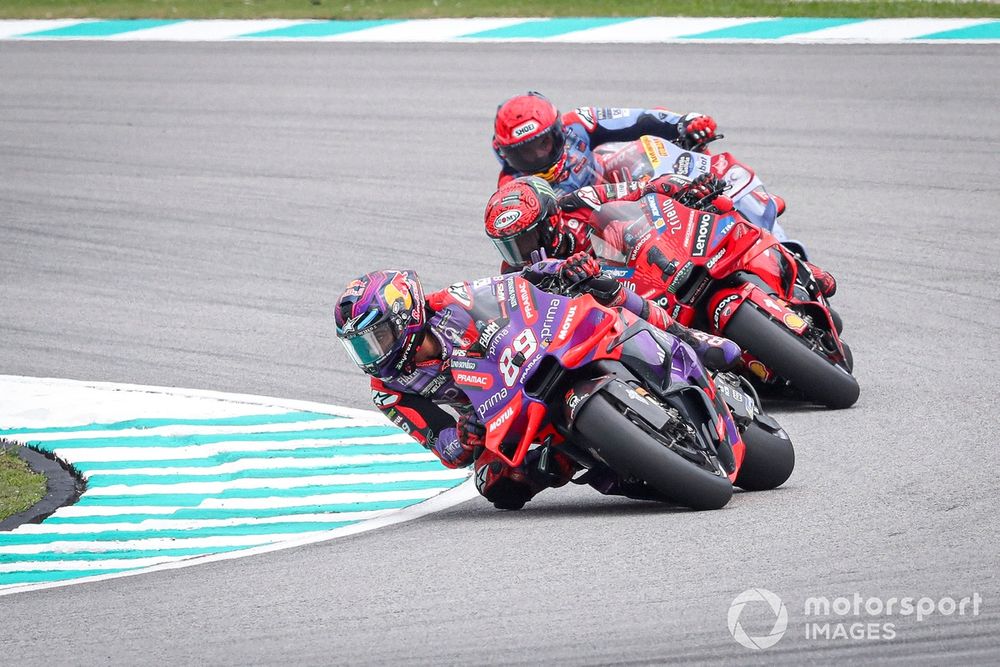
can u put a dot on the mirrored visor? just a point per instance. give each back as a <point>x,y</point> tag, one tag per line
<point>371,346</point>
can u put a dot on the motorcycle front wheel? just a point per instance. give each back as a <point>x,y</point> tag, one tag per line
<point>789,357</point>
<point>631,450</point>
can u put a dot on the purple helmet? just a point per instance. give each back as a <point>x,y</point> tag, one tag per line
<point>380,320</point>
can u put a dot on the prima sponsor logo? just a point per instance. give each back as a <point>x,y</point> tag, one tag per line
<point>502,419</point>
<point>505,220</point>
<point>524,129</point>
<point>701,237</point>
<point>550,318</point>
<point>470,379</point>
<point>497,339</point>
<point>491,402</point>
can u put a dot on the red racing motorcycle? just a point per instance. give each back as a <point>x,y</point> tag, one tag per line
<point>718,273</point>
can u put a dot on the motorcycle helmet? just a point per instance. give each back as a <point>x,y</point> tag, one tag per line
<point>380,320</point>
<point>521,217</point>
<point>528,135</point>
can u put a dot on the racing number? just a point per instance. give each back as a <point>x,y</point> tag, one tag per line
<point>525,344</point>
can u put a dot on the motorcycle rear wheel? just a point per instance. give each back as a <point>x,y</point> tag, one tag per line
<point>631,452</point>
<point>789,357</point>
<point>768,461</point>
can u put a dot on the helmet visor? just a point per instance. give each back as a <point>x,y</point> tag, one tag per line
<point>516,250</point>
<point>372,346</point>
<point>537,154</point>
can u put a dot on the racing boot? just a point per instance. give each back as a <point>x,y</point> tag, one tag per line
<point>827,283</point>
<point>715,352</point>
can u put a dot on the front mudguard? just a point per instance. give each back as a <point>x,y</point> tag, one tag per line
<point>690,401</point>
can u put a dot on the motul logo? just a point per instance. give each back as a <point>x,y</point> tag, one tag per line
<point>525,129</point>
<point>499,421</point>
<point>566,325</point>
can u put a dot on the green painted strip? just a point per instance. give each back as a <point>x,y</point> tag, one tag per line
<point>52,575</point>
<point>101,28</point>
<point>347,451</point>
<point>207,513</point>
<point>13,539</point>
<point>247,420</point>
<point>189,440</point>
<point>98,481</point>
<point>319,29</point>
<point>771,29</point>
<point>49,557</point>
<point>544,28</point>
<point>194,499</point>
<point>982,31</point>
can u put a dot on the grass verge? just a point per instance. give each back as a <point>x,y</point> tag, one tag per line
<point>20,486</point>
<point>380,9</point>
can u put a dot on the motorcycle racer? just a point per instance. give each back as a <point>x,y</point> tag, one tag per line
<point>532,137</point>
<point>406,341</point>
<point>526,214</point>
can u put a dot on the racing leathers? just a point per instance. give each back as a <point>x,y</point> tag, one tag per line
<point>586,128</point>
<point>415,401</point>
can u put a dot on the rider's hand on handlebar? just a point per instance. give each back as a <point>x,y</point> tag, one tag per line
<point>577,268</point>
<point>471,431</point>
<point>696,130</point>
<point>583,273</point>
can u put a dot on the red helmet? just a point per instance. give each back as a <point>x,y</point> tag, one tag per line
<point>528,135</point>
<point>521,217</point>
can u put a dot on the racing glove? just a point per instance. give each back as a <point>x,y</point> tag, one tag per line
<point>700,193</point>
<point>584,273</point>
<point>471,432</point>
<point>696,130</point>
<point>456,447</point>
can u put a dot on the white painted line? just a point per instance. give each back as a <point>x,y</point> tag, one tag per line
<point>459,494</point>
<point>883,30</point>
<point>310,501</point>
<point>276,483</point>
<point>108,564</point>
<point>194,429</point>
<point>107,454</point>
<point>199,31</point>
<point>245,465</point>
<point>423,30</point>
<point>189,524</point>
<point>649,30</point>
<point>19,27</point>
<point>75,511</point>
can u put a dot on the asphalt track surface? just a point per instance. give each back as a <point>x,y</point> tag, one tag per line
<point>185,214</point>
